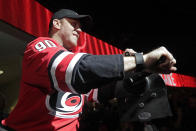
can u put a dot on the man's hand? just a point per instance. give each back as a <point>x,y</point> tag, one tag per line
<point>157,61</point>
<point>153,64</point>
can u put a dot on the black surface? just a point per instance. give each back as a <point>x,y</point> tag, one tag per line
<point>142,25</point>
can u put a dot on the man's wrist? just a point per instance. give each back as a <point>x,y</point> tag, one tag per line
<point>146,63</point>
<point>145,60</point>
<point>129,63</point>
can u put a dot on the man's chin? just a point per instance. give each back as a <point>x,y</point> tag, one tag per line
<point>72,46</point>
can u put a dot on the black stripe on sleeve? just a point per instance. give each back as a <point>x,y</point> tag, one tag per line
<point>50,66</point>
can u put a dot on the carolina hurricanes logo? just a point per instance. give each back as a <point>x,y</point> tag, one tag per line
<point>64,104</point>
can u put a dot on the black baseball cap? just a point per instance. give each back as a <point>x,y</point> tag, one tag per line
<point>85,20</point>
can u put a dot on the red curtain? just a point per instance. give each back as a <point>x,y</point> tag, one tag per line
<point>92,45</point>
<point>27,15</point>
<point>33,18</point>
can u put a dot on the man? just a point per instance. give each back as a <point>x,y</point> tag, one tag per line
<point>55,82</point>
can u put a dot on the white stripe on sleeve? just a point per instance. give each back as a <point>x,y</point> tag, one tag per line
<point>54,66</point>
<point>69,71</point>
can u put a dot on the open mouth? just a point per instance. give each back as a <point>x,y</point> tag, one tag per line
<point>77,35</point>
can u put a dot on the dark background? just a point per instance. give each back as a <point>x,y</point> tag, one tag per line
<point>142,25</point>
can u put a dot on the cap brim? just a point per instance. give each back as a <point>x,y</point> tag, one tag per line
<point>86,21</point>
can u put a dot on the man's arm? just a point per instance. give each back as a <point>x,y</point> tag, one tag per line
<point>94,71</point>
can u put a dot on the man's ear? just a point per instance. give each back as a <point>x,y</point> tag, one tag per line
<point>56,24</point>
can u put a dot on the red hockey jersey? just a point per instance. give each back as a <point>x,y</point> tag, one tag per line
<point>47,100</point>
